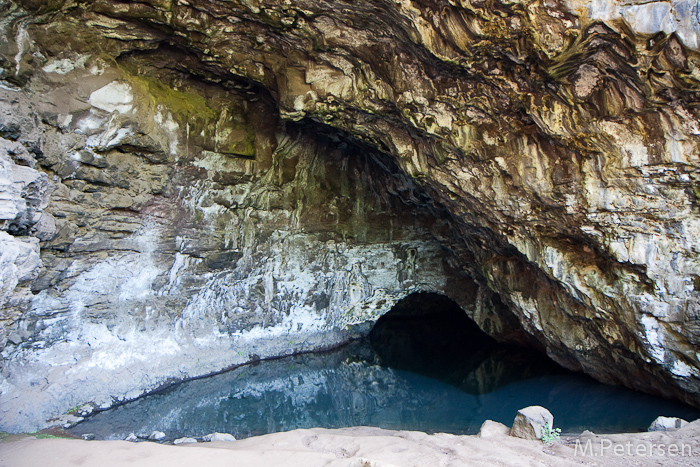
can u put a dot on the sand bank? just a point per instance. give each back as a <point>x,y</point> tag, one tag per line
<point>365,447</point>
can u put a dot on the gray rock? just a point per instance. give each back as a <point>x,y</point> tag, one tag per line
<point>19,263</point>
<point>489,429</point>
<point>88,436</point>
<point>529,421</point>
<point>214,437</point>
<point>68,420</point>
<point>677,16</point>
<point>667,424</point>
<point>184,441</point>
<point>85,410</point>
<point>15,338</point>
<point>45,228</point>
<point>132,437</point>
<point>157,436</point>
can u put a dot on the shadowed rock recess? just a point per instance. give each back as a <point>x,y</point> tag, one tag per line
<point>186,186</point>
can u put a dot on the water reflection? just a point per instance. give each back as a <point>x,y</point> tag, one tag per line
<point>352,386</point>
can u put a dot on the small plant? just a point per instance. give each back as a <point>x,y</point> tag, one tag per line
<point>550,435</point>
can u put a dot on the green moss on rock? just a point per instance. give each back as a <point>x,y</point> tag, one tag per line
<point>185,105</point>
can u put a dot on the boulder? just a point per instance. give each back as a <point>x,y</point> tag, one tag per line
<point>214,437</point>
<point>88,436</point>
<point>489,429</point>
<point>529,421</point>
<point>132,437</point>
<point>667,424</point>
<point>184,441</point>
<point>157,436</point>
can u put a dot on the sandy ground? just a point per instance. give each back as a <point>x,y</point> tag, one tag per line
<point>364,447</point>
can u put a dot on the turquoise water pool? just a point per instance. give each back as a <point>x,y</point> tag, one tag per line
<point>424,366</point>
<point>351,387</point>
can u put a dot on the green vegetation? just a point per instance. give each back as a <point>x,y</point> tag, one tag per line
<point>184,104</point>
<point>696,190</point>
<point>550,435</point>
<point>4,436</point>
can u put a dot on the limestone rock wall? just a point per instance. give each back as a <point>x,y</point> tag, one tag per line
<point>558,140</point>
<point>24,193</point>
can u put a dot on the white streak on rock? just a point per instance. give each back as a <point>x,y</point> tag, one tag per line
<point>65,65</point>
<point>654,337</point>
<point>114,97</point>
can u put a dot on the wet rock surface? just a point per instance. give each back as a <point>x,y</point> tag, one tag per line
<point>190,186</point>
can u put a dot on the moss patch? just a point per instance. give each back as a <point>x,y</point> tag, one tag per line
<point>243,147</point>
<point>187,105</point>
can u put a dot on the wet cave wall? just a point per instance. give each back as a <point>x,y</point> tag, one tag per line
<point>190,185</point>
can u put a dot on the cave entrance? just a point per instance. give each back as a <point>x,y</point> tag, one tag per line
<point>430,334</point>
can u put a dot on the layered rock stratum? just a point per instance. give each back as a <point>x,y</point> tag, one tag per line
<point>190,185</point>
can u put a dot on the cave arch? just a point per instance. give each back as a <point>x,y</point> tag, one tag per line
<point>426,326</point>
<point>430,334</point>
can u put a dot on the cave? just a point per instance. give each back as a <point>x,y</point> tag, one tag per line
<point>430,334</point>
<point>187,187</point>
<point>428,329</point>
